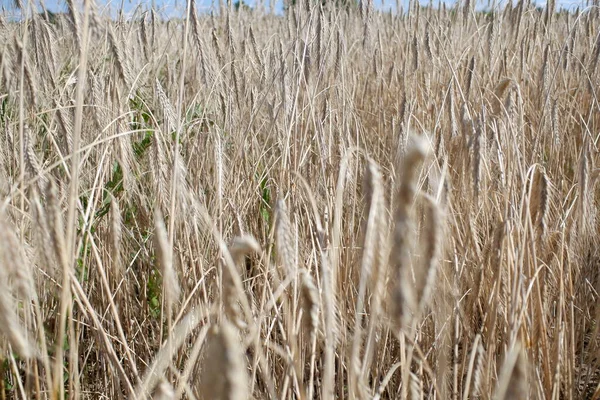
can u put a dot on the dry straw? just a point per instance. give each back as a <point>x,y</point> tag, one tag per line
<point>424,296</point>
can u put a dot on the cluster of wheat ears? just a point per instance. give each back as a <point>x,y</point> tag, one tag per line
<point>334,202</point>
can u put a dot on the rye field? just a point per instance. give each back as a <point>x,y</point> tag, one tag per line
<point>329,202</point>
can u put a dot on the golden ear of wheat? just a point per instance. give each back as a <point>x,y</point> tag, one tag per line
<point>512,384</point>
<point>223,373</point>
<point>241,247</point>
<point>14,273</point>
<point>165,258</point>
<point>404,297</point>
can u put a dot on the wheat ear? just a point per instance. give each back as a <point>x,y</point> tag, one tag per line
<point>224,374</point>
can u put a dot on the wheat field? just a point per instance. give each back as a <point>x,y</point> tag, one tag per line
<point>335,202</point>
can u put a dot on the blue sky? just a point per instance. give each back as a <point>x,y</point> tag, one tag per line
<point>176,7</point>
